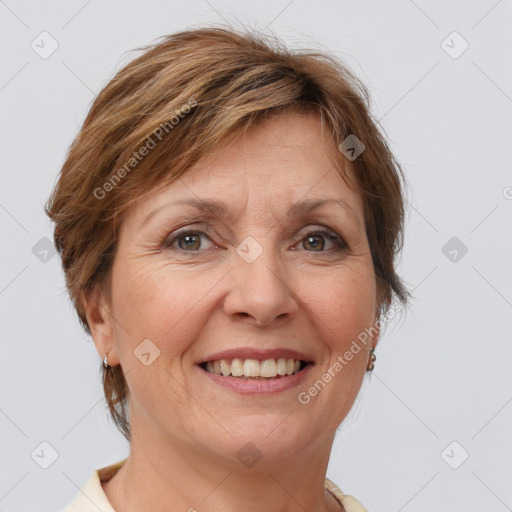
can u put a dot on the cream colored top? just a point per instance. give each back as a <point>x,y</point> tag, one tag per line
<point>92,498</point>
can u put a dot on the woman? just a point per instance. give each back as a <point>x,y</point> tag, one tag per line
<point>228,218</point>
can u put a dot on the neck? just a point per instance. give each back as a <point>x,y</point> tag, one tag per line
<point>161,475</point>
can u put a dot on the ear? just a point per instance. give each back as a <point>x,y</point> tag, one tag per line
<point>101,325</point>
<point>375,333</point>
<point>375,329</point>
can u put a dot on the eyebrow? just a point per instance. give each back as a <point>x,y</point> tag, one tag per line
<point>219,209</point>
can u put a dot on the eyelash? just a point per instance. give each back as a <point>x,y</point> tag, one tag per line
<point>328,234</point>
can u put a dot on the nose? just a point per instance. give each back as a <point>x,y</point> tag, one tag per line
<point>261,291</point>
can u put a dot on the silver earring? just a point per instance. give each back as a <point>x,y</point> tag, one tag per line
<point>105,362</point>
<point>371,362</point>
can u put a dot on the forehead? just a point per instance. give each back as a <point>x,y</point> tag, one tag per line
<point>274,164</point>
<point>290,145</point>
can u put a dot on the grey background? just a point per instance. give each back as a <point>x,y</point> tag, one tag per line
<point>443,369</point>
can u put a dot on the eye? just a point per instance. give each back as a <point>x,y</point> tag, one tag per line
<point>315,241</point>
<point>319,240</point>
<point>187,240</point>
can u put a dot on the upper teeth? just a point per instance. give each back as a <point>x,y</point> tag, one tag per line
<point>253,367</point>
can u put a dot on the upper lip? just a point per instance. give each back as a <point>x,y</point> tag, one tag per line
<point>258,354</point>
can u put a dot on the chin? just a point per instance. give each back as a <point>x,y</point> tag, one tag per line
<point>267,437</point>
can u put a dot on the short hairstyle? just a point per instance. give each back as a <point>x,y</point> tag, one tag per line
<point>184,98</point>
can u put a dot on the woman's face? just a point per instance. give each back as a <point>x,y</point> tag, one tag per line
<point>260,275</point>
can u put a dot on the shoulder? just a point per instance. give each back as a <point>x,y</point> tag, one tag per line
<point>91,496</point>
<point>350,504</point>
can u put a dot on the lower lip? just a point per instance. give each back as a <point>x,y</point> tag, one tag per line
<point>248,386</point>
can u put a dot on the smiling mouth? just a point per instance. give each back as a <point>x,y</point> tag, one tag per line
<point>253,369</point>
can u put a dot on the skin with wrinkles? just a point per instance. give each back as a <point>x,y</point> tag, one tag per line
<point>196,296</point>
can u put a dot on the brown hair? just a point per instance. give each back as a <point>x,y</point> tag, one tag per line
<point>183,99</point>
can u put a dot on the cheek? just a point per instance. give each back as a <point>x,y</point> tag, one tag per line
<point>345,302</point>
<point>159,303</point>
<point>345,314</point>
<point>358,304</point>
